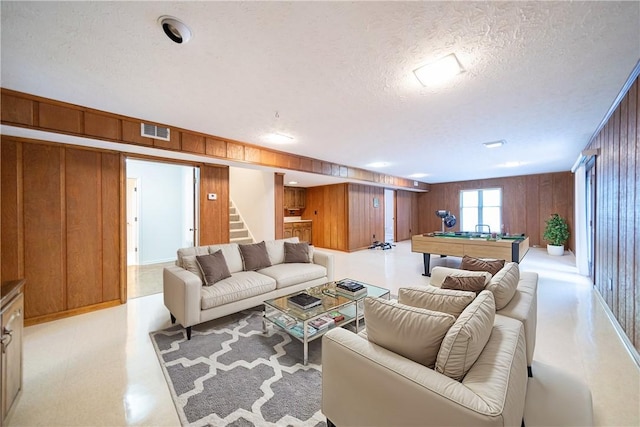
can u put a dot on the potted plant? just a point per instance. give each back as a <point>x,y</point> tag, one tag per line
<point>556,233</point>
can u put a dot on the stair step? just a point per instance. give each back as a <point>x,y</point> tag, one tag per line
<point>241,240</point>
<point>232,211</point>
<point>236,225</point>
<point>242,233</point>
<point>234,217</point>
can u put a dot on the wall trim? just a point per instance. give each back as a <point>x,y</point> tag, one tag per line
<point>626,342</point>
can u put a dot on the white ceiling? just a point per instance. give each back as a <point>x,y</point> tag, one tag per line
<point>540,75</point>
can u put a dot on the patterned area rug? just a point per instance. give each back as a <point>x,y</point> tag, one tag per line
<point>232,374</point>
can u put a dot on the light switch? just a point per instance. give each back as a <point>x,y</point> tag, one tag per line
<point>212,196</point>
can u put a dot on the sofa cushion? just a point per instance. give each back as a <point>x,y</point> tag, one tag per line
<point>438,274</point>
<point>478,264</point>
<point>291,274</point>
<point>275,249</point>
<point>213,267</point>
<point>296,252</point>
<point>192,251</point>
<point>414,333</point>
<point>504,284</point>
<point>239,286</point>
<point>254,256</point>
<point>231,255</point>
<point>436,299</point>
<point>465,340</point>
<point>190,263</point>
<point>470,284</point>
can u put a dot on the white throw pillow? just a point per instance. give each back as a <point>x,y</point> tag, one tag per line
<point>466,339</point>
<point>190,263</point>
<point>504,284</point>
<point>436,299</point>
<point>414,333</point>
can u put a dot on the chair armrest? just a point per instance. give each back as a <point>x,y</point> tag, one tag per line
<point>365,384</point>
<point>182,294</point>
<point>326,260</point>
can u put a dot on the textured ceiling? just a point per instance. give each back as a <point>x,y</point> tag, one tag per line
<point>540,75</point>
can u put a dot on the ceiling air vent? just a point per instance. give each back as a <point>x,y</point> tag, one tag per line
<point>157,132</point>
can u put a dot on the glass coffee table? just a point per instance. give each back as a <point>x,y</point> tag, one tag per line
<point>335,309</point>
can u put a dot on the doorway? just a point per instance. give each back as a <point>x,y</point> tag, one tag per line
<point>590,182</point>
<point>389,215</point>
<point>161,216</point>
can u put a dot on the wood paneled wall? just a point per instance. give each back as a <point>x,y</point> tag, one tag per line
<point>214,214</point>
<point>617,214</point>
<point>407,215</point>
<point>528,201</point>
<point>34,112</point>
<point>344,217</point>
<point>278,186</point>
<point>61,226</point>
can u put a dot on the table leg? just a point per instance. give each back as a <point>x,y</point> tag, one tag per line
<point>306,353</point>
<point>264,322</point>
<point>426,258</point>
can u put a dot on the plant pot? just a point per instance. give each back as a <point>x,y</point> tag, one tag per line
<point>555,250</point>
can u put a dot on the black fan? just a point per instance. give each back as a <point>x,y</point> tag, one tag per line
<point>447,218</point>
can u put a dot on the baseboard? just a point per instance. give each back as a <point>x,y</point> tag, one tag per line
<point>616,325</point>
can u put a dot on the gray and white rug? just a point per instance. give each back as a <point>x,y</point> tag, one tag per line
<point>232,374</point>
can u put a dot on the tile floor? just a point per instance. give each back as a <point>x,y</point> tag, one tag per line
<point>144,280</point>
<point>100,369</point>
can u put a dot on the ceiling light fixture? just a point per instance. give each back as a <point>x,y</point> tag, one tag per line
<point>438,71</point>
<point>378,165</point>
<point>279,138</point>
<point>175,29</point>
<point>417,175</point>
<point>495,144</point>
<point>293,182</point>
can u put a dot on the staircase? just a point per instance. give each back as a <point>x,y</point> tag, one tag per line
<point>238,233</point>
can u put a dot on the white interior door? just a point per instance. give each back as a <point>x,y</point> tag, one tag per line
<point>389,215</point>
<point>133,209</point>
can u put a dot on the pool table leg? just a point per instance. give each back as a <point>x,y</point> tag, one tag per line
<point>426,259</point>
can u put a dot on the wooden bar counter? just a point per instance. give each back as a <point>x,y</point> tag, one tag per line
<point>510,249</point>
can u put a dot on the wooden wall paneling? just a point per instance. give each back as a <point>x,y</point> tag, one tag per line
<point>131,132</point>
<point>415,214</point>
<point>215,147</point>
<point>113,231</point>
<point>174,142</point>
<point>621,189</point>
<point>57,117</point>
<point>44,238</point>
<point>235,151</point>
<point>193,143</point>
<point>531,197</point>
<point>278,180</point>
<point>635,97</point>
<point>403,215</point>
<point>83,190</point>
<point>252,154</point>
<point>214,214</point>
<point>17,110</point>
<point>366,223</point>
<point>102,126</point>
<point>12,236</point>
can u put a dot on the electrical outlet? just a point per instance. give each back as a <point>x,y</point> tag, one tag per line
<point>610,284</point>
<point>374,236</point>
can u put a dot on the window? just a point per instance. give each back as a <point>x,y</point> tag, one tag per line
<point>481,207</point>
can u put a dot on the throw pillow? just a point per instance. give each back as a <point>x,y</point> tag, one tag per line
<point>438,274</point>
<point>478,264</point>
<point>436,299</point>
<point>296,252</point>
<point>254,256</point>
<point>190,263</point>
<point>471,284</point>
<point>504,284</point>
<point>213,267</point>
<point>411,332</point>
<point>466,339</point>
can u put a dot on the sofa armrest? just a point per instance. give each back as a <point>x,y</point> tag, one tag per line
<point>365,384</point>
<point>182,294</point>
<point>326,260</point>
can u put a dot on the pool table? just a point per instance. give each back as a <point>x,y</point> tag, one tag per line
<point>509,248</point>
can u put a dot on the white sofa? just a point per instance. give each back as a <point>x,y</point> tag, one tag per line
<point>521,302</point>
<point>367,384</point>
<point>190,302</point>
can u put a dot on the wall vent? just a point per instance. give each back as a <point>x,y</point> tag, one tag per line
<point>156,132</point>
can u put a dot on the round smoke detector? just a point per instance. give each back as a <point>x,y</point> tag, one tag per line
<point>175,29</point>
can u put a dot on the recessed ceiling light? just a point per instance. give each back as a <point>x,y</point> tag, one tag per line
<point>293,182</point>
<point>512,164</point>
<point>279,138</point>
<point>439,71</point>
<point>417,175</point>
<point>378,165</point>
<point>175,29</point>
<point>495,144</point>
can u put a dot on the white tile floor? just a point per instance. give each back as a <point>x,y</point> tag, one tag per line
<point>100,368</point>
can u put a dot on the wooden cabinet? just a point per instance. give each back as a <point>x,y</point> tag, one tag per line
<point>295,198</point>
<point>301,230</point>
<point>11,325</point>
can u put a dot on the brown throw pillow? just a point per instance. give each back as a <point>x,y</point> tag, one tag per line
<point>477,264</point>
<point>213,267</point>
<point>254,256</point>
<point>470,283</point>
<point>296,252</point>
